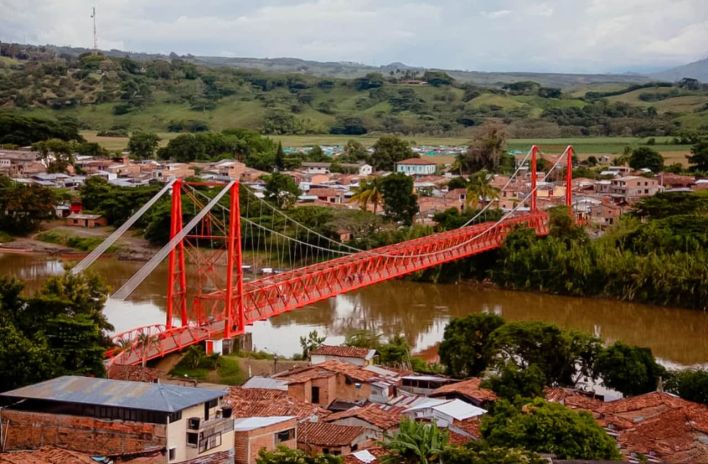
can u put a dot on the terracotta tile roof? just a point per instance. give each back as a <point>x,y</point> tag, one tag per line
<point>657,423</point>
<point>343,351</point>
<point>471,427</point>
<point>325,192</point>
<point>326,369</point>
<point>676,436</point>
<point>416,161</point>
<point>261,402</point>
<point>379,415</point>
<point>574,399</point>
<point>303,374</point>
<point>326,434</point>
<point>469,388</point>
<point>45,455</point>
<point>134,373</point>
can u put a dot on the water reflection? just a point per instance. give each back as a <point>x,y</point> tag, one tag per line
<point>418,311</point>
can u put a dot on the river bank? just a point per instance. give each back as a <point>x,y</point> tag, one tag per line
<point>419,311</point>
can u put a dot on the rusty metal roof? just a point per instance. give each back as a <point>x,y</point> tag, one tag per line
<point>116,393</point>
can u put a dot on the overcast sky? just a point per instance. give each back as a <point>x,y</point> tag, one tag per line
<point>484,35</point>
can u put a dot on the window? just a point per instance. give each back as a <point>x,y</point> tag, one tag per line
<point>315,394</point>
<point>284,435</point>
<point>192,439</point>
<point>210,442</point>
<point>172,454</point>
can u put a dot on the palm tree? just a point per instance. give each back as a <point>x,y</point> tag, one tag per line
<point>415,442</point>
<point>479,188</point>
<point>145,341</point>
<point>367,192</point>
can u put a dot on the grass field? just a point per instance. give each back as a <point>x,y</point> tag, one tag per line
<point>584,146</point>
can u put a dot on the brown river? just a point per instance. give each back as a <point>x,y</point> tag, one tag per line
<point>418,310</point>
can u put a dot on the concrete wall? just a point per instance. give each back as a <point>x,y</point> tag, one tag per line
<point>177,435</point>
<point>32,430</point>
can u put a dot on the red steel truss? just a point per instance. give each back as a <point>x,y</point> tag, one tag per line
<point>274,295</point>
<point>239,304</point>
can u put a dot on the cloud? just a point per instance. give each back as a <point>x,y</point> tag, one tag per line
<point>496,14</point>
<point>520,35</point>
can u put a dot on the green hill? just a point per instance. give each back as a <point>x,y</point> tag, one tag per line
<point>117,93</point>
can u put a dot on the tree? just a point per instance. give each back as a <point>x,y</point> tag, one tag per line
<point>400,203</point>
<point>354,152</point>
<point>512,383</point>
<point>629,369</point>
<point>60,330</point>
<point>485,149</point>
<point>415,443</point>
<point>281,190</point>
<point>57,154</point>
<point>143,144</point>
<point>698,160</point>
<point>368,192</point>
<point>388,150</point>
<point>284,455</point>
<point>279,158</point>
<point>479,452</point>
<point>396,352</point>
<point>646,158</point>
<point>466,346</point>
<point>183,148</point>
<point>689,384</point>
<point>311,343</point>
<point>24,207</point>
<point>562,356</point>
<point>480,189</point>
<point>546,427</point>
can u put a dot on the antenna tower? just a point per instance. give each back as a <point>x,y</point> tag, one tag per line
<point>95,38</point>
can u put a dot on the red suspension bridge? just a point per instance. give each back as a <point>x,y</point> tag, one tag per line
<point>212,294</point>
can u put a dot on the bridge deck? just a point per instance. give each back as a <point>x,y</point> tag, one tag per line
<point>270,296</point>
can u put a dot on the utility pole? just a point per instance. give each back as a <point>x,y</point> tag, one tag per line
<point>95,38</point>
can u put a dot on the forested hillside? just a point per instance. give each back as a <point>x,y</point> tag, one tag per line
<point>112,93</point>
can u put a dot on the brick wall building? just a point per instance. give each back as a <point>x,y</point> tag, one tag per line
<point>255,433</point>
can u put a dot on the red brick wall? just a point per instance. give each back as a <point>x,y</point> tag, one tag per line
<point>31,430</point>
<point>247,444</point>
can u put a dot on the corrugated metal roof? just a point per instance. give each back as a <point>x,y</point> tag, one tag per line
<point>117,393</point>
<point>266,382</point>
<point>252,423</point>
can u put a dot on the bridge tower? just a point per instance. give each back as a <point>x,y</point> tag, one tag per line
<point>226,305</point>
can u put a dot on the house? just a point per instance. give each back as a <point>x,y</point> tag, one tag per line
<point>423,384</point>
<point>265,402</point>
<point>251,434</point>
<point>416,167</point>
<point>88,221</point>
<point>632,188</point>
<point>337,385</point>
<point>605,214</point>
<point>469,391</point>
<point>327,195</point>
<point>348,354</point>
<point>115,417</point>
<point>324,437</point>
<point>315,167</point>
<point>361,169</point>
<point>671,181</point>
<point>379,419</point>
<point>657,425</point>
<point>444,412</point>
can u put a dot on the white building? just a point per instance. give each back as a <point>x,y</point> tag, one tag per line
<point>416,167</point>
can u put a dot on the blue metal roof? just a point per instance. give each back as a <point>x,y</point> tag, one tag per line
<point>116,393</point>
